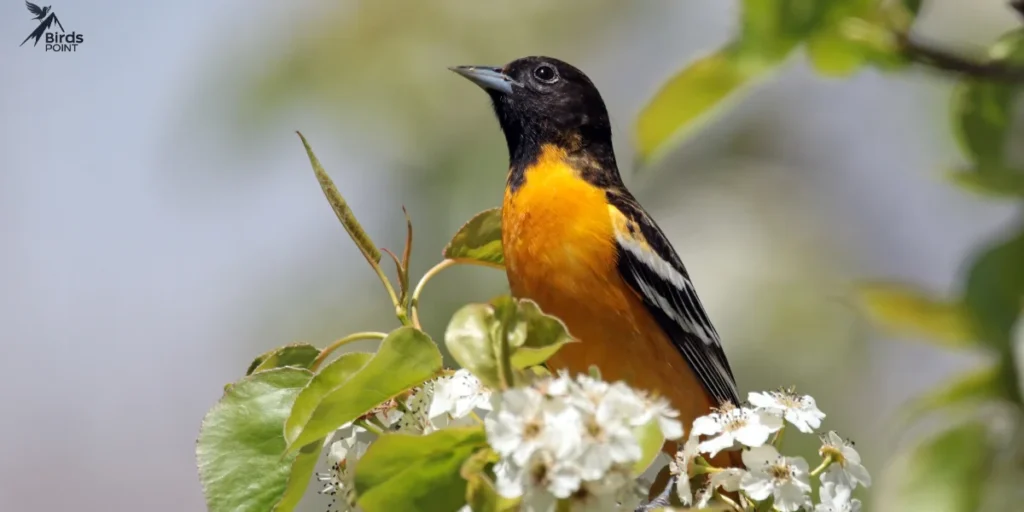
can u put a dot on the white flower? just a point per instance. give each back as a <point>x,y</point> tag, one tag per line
<point>607,434</point>
<point>846,470</point>
<point>540,483</point>
<point>735,424</point>
<point>800,410</point>
<point>523,422</point>
<point>661,410</point>
<point>617,490</point>
<point>341,458</point>
<point>770,474</point>
<point>458,395</point>
<point>680,466</point>
<point>728,479</point>
<point>836,498</point>
<point>571,438</point>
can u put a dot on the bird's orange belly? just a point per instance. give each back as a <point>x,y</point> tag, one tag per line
<point>569,268</point>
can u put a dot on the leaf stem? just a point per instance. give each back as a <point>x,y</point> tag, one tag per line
<point>369,426</point>
<point>414,299</point>
<point>944,60</point>
<point>729,501</point>
<point>777,442</point>
<point>341,342</point>
<point>505,372</point>
<point>824,464</point>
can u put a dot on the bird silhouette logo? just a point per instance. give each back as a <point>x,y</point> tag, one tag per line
<point>46,18</point>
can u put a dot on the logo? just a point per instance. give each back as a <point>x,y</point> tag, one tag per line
<point>55,41</point>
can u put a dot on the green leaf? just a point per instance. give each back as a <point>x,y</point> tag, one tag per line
<point>974,387</point>
<point>470,340</point>
<point>326,381</point>
<point>543,335</point>
<point>651,440</point>
<point>299,355</point>
<point>341,209</point>
<point>913,6</point>
<point>481,493</point>
<point>834,55</point>
<point>475,332</point>
<point>946,473</point>
<point>478,240</point>
<point>994,294</point>
<point>905,310</point>
<point>405,359</point>
<point>406,472</point>
<point>298,480</point>
<point>691,97</point>
<point>982,118</point>
<point>982,111</point>
<point>240,443</point>
<point>772,28</point>
<point>998,182</point>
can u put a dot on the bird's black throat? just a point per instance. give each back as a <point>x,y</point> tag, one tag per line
<point>584,134</point>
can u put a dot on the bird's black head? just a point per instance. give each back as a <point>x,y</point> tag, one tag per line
<point>541,100</point>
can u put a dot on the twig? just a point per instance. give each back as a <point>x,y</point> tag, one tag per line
<point>946,61</point>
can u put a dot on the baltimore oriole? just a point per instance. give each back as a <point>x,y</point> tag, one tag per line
<point>580,245</point>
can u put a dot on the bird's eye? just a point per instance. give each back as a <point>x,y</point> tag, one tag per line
<point>545,73</point>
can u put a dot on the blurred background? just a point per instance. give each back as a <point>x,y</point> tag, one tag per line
<point>160,225</point>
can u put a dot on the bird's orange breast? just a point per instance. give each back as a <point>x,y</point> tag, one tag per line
<point>560,252</point>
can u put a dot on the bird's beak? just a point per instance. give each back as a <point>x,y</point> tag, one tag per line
<point>491,79</point>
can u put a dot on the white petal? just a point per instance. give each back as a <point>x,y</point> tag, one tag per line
<point>563,480</point>
<point>503,434</point>
<point>728,479</point>
<point>706,425</point>
<point>758,485</point>
<point>770,420</point>
<point>753,435</point>
<point>764,400</point>
<point>683,490</point>
<point>508,479</point>
<point>670,428</point>
<point>859,473</point>
<point>716,444</point>
<point>837,476</point>
<point>337,452</point>
<point>759,457</point>
<point>849,453</point>
<point>789,498</point>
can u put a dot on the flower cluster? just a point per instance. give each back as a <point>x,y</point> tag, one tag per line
<point>449,400</point>
<point>768,474</point>
<point>580,441</point>
<point>576,439</point>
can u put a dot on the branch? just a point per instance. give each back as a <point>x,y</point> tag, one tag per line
<point>947,61</point>
<point>1018,5</point>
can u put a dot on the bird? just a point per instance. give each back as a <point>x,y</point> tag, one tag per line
<point>580,245</point>
<point>40,12</point>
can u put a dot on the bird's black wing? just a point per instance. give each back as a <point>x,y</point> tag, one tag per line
<point>650,265</point>
<point>33,8</point>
